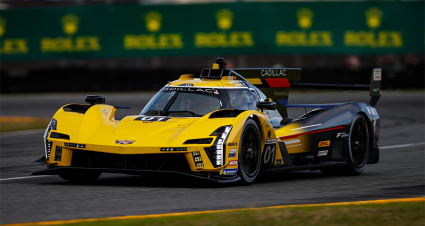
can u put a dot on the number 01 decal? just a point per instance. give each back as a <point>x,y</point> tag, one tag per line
<point>269,154</point>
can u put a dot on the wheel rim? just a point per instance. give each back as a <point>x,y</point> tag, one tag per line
<point>250,152</point>
<point>359,143</point>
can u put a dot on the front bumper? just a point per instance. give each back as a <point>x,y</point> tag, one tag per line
<point>167,163</point>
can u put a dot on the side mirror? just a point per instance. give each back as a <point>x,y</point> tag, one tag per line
<point>266,105</point>
<point>94,99</point>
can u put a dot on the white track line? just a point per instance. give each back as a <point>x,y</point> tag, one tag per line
<point>402,145</point>
<point>18,178</point>
<point>384,147</point>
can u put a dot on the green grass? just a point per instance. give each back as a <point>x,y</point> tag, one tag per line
<point>406,213</point>
<point>15,126</point>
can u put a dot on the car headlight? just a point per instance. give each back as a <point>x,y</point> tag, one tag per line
<point>48,144</point>
<point>216,153</point>
<point>52,126</point>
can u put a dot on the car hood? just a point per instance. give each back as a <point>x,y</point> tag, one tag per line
<point>98,127</point>
<point>143,133</point>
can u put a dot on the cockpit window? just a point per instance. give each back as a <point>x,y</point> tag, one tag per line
<point>185,102</point>
<point>197,103</point>
<point>241,99</point>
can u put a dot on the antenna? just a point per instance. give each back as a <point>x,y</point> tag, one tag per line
<point>221,63</point>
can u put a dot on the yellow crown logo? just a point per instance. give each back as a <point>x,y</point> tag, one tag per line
<point>153,21</point>
<point>224,19</point>
<point>2,26</point>
<point>305,18</point>
<point>70,24</point>
<point>373,17</point>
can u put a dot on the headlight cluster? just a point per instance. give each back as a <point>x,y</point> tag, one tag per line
<point>48,144</point>
<point>52,126</point>
<point>217,151</point>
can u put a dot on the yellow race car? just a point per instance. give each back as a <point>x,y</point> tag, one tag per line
<point>222,126</point>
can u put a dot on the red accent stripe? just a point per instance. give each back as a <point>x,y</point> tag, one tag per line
<point>278,82</point>
<point>316,131</point>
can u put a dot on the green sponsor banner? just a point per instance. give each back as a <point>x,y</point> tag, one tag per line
<point>366,28</point>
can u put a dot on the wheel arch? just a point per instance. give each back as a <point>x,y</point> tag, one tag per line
<point>257,121</point>
<point>369,129</point>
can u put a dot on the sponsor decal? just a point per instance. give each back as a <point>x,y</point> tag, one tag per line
<point>216,92</point>
<point>377,74</point>
<point>124,141</point>
<point>343,134</point>
<point>232,152</point>
<point>233,163</point>
<point>237,83</point>
<point>273,72</point>
<point>147,121</point>
<point>324,143</point>
<point>376,127</point>
<point>230,171</point>
<point>174,149</point>
<point>377,131</point>
<point>231,77</point>
<point>279,162</point>
<point>322,153</point>
<point>151,119</point>
<point>198,159</point>
<point>271,141</point>
<point>75,145</point>
<point>199,90</point>
<point>232,144</point>
<point>186,84</point>
<point>104,111</point>
<point>372,110</point>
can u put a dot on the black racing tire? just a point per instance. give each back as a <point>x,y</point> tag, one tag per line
<point>358,150</point>
<point>358,146</point>
<point>80,176</point>
<point>249,152</point>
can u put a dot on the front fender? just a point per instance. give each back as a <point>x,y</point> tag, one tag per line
<point>80,125</point>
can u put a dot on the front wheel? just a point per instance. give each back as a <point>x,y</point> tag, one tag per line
<point>249,152</point>
<point>80,176</point>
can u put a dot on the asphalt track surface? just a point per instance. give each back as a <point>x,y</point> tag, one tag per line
<point>399,174</point>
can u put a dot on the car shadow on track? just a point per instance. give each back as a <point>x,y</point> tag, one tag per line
<point>180,181</point>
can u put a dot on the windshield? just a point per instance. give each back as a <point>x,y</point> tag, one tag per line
<point>184,102</point>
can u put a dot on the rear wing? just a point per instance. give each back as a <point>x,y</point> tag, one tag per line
<point>275,84</point>
<point>374,87</point>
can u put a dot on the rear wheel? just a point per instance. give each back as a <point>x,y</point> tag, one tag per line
<point>80,176</point>
<point>249,152</point>
<point>358,149</point>
<point>358,146</point>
